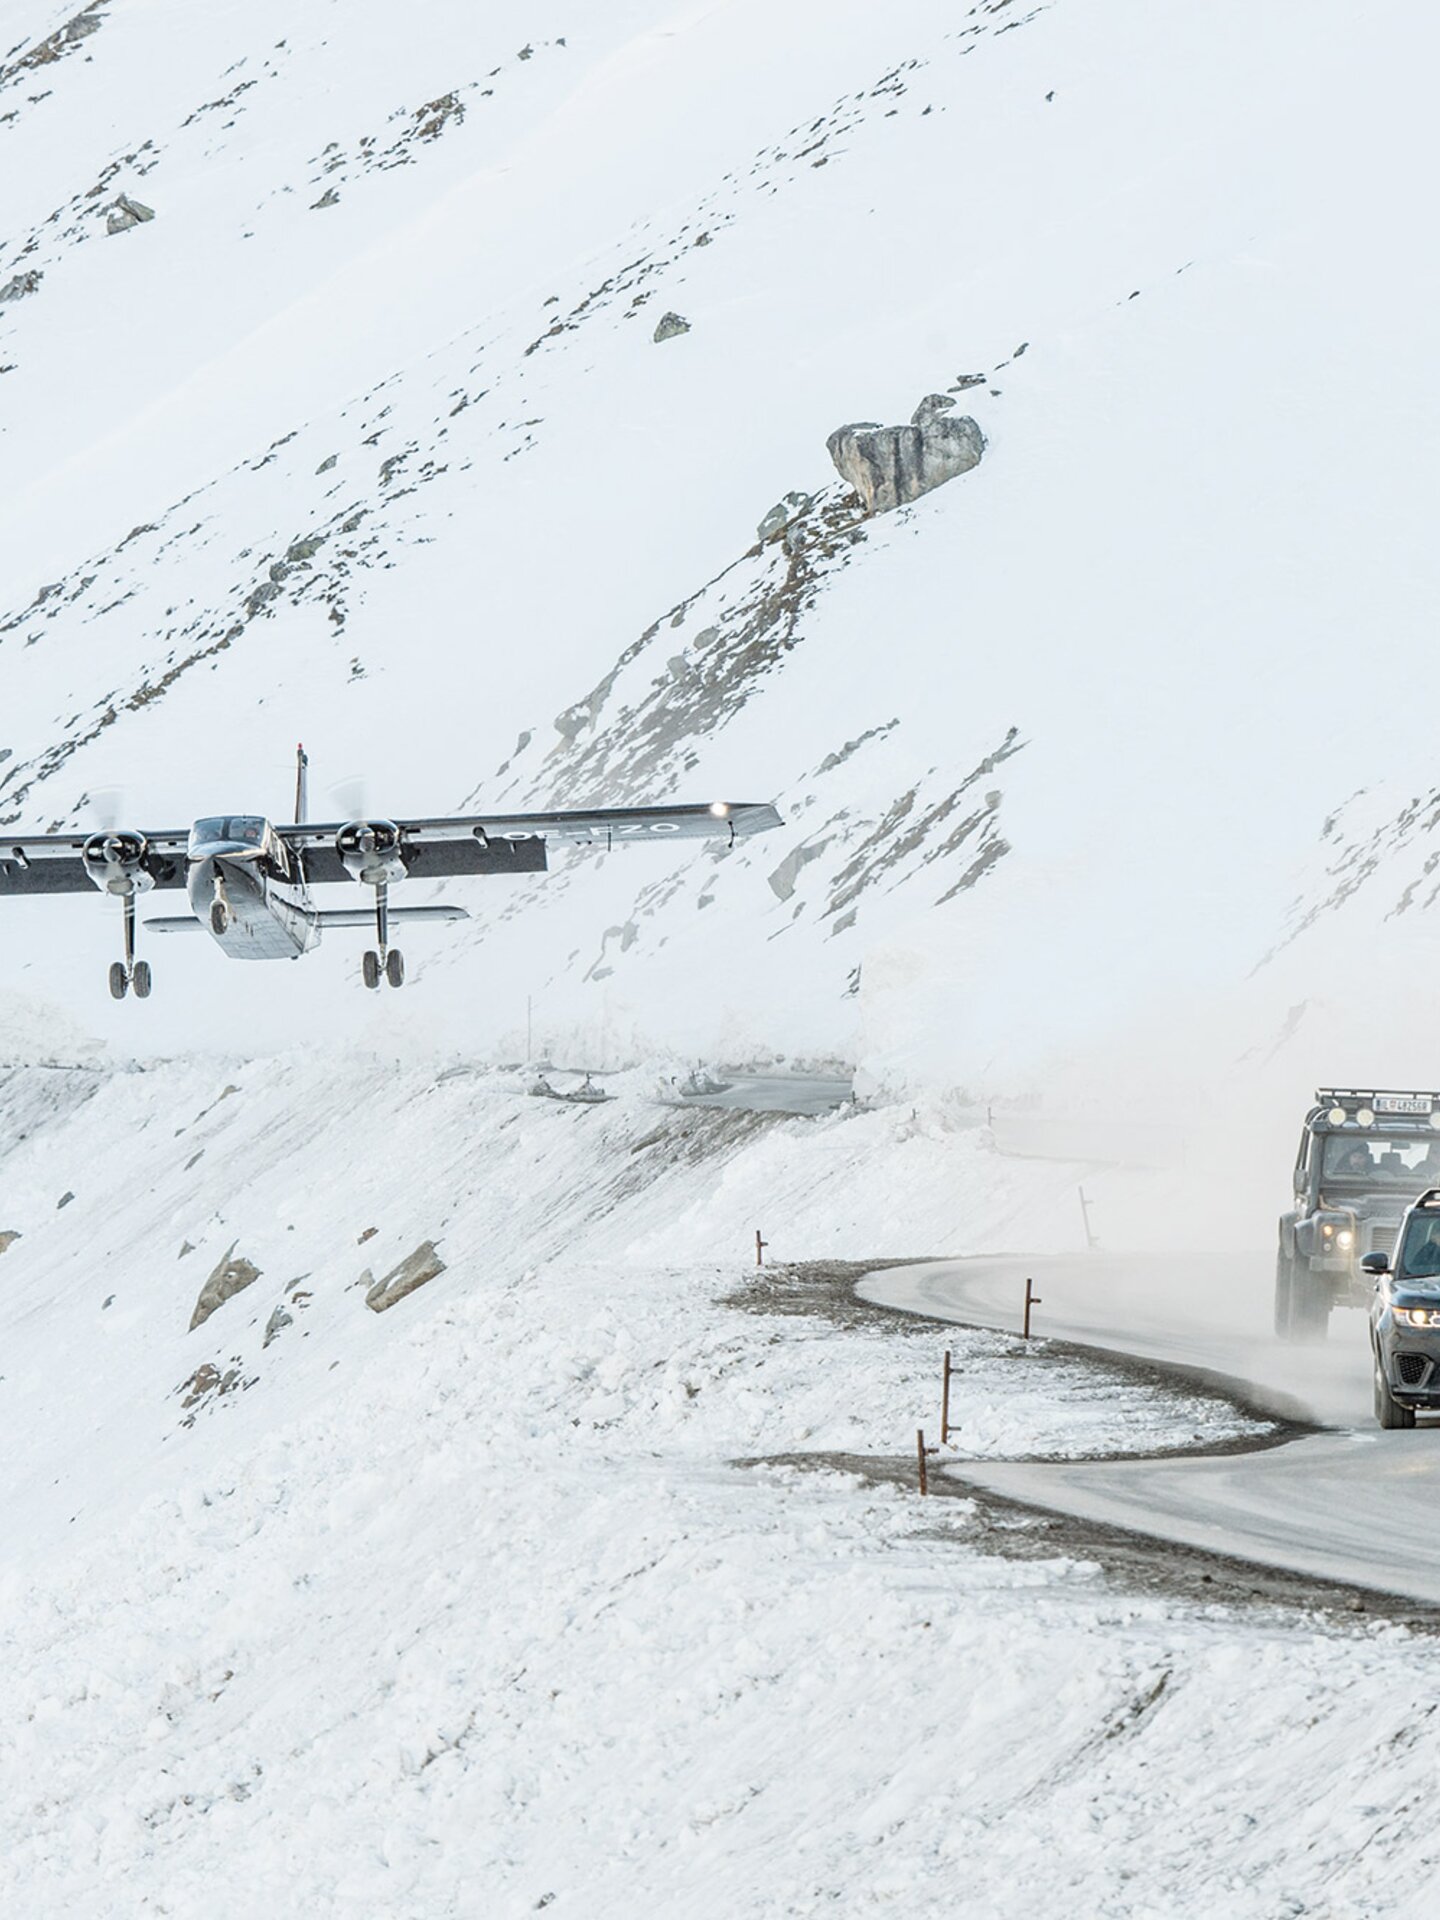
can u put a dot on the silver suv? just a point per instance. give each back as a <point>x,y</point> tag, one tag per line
<point>1405,1317</point>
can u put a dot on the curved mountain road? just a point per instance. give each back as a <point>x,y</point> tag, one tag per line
<point>1351,1504</point>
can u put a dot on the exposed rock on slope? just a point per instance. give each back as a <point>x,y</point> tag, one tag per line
<point>230,1276</point>
<point>890,466</point>
<point>413,1271</point>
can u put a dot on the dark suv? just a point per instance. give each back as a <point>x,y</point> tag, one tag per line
<point>1405,1317</point>
<point>1364,1155</point>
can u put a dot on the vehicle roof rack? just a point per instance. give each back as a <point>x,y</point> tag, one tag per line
<point>1430,1198</point>
<point>1334,1094</point>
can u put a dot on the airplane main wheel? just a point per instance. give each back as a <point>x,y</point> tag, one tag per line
<point>140,979</point>
<point>219,917</point>
<point>395,967</point>
<point>119,980</point>
<point>370,967</point>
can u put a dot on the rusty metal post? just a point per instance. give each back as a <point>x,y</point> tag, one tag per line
<point>920,1457</point>
<point>945,1402</point>
<point>1032,1299</point>
<point>760,1246</point>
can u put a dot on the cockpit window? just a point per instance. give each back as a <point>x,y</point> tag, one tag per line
<point>246,829</point>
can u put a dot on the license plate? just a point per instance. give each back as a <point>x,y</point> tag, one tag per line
<point>1398,1103</point>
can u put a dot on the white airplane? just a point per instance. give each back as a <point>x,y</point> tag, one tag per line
<point>249,880</point>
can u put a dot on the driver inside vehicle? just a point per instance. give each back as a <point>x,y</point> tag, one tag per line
<point>1355,1159</point>
<point>1426,1257</point>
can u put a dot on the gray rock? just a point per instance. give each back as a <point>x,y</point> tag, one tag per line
<point>278,1320</point>
<point>231,1276</point>
<point>781,514</point>
<point>125,213</point>
<point>890,466</point>
<point>670,324</point>
<point>413,1271</point>
<point>8,1239</point>
<point>329,198</point>
<point>20,285</point>
<point>785,876</point>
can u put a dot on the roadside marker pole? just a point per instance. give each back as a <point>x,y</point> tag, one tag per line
<point>1032,1299</point>
<point>945,1402</point>
<point>920,1457</point>
<point>760,1246</point>
<point>1090,1241</point>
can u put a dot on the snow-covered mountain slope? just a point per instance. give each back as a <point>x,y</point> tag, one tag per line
<point>365,437</point>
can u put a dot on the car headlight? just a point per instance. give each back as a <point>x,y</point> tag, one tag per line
<point>1345,1238</point>
<point>1417,1316</point>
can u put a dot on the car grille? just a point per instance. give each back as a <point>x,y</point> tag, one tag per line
<point>1382,1239</point>
<point>1412,1369</point>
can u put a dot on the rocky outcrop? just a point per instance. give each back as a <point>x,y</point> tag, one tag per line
<point>890,466</point>
<point>670,324</point>
<point>20,284</point>
<point>8,1239</point>
<point>413,1271</point>
<point>126,213</point>
<point>782,515</point>
<point>231,1276</point>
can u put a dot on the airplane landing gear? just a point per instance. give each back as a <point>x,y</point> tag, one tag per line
<point>389,960</point>
<point>130,972</point>
<point>390,966</point>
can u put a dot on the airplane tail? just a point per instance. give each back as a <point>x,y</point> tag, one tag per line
<point>302,783</point>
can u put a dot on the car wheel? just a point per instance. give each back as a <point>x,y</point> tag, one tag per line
<point>1309,1306</point>
<point>1388,1410</point>
<point>1284,1295</point>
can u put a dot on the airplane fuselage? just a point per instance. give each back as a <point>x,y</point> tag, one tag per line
<point>248,891</point>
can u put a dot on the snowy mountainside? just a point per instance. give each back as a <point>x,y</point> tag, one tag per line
<point>465,1605</point>
<point>376,447</point>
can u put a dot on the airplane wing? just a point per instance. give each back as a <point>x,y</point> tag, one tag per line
<point>51,863</point>
<point>515,842</point>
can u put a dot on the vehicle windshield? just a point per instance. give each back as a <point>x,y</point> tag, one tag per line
<point>1379,1160</point>
<point>247,828</point>
<point>1421,1252</point>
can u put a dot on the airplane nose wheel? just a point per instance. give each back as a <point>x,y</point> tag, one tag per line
<point>395,967</point>
<point>370,968</point>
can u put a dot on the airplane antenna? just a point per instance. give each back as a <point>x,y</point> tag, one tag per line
<point>302,761</point>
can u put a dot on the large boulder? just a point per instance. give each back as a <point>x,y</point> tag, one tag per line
<point>889,466</point>
<point>230,1276</point>
<point>125,213</point>
<point>413,1271</point>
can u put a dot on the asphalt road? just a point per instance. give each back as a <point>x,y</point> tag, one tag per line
<point>1351,1504</point>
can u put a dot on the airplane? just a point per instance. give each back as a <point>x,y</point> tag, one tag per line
<point>249,880</point>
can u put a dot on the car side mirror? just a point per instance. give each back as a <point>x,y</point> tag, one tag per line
<point>1376,1263</point>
